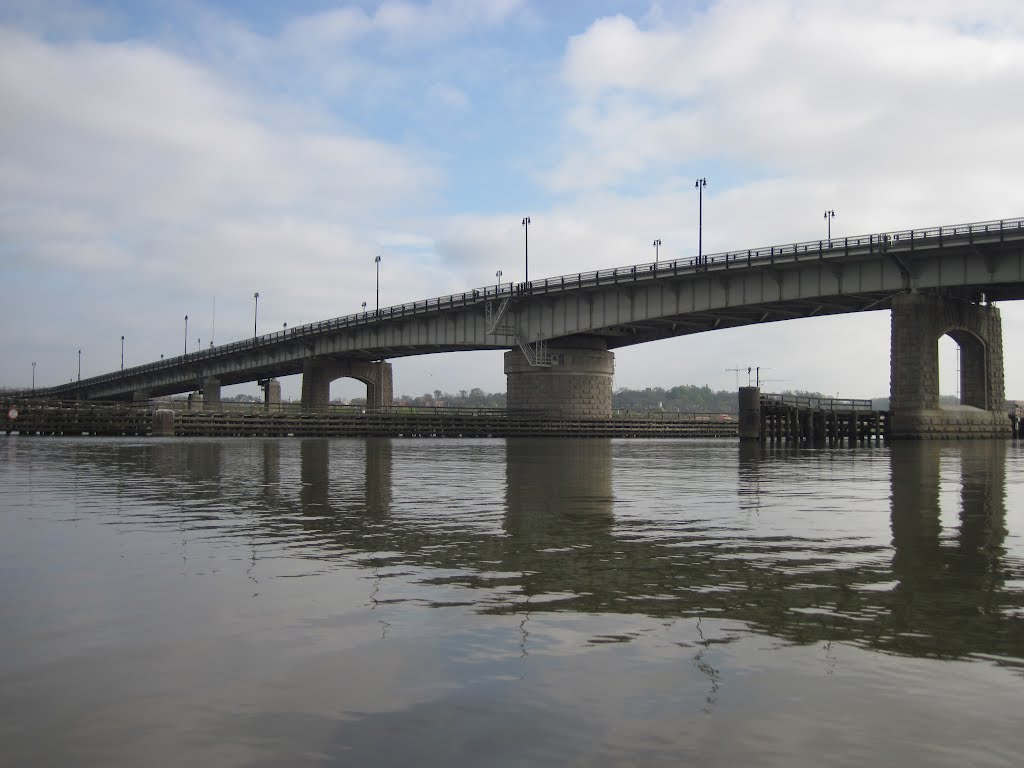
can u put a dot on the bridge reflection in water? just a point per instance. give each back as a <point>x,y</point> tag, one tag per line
<point>564,527</point>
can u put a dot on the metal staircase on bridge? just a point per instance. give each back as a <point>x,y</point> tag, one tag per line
<point>536,354</point>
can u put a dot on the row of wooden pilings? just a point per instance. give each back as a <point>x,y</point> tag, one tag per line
<point>811,421</point>
<point>136,420</point>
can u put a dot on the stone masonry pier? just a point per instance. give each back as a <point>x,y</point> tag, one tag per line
<point>918,322</point>
<point>576,383</point>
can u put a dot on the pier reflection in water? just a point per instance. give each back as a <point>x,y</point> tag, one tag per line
<point>504,602</point>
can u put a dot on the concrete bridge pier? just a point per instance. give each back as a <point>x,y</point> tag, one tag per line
<point>271,394</point>
<point>918,322</point>
<point>317,375</point>
<point>211,393</point>
<point>577,383</point>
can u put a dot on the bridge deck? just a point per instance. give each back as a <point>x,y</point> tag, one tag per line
<point>622,306</point>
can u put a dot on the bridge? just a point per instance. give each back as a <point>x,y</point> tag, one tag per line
<point>559,333</point>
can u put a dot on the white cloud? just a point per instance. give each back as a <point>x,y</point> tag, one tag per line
<point>795,88</point>
<point>124,141</point>
<point>397,25</point>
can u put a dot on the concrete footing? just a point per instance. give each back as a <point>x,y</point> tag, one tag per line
<point>962,423</point>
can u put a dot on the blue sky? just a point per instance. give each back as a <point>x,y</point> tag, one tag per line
<point>163,159</point>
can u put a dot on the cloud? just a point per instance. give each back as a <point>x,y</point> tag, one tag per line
<point>397,25</point>
<point>117,141</point>
<point>787,87</point>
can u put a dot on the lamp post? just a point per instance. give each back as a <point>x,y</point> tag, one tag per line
<point>526,253</point>
<point>829,215</point>
<point>497,276</point>
<point>79,365</point>
<point>364,309</point>
<point>122,351</point>
<point>33,377</point>
<point>255,312</point>
<point>186,335</point>
<point>701,183</point>
<point>657,245</point>
<point>377,262</point>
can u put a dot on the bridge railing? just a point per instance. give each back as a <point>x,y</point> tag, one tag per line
<point>844,404</point>
<point>903,240</point>
<point>825,248</point>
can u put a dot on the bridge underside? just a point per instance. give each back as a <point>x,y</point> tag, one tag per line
<point>683,324</point>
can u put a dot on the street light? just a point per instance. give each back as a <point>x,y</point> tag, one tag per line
<point>33,377</point>
<point>122,352</point>
<point>186,335</point>
<point>364,309</point>
<point>526,243</point>
<point>255,312</point>
<point>701,183</point>
<point>829,215</point>
<point>657,245</point>
<point>377,262</point>
<point>498,275</point>
<point>79,365</point>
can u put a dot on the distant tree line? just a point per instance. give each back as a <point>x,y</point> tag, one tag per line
<point>685,398</point>
<point>473,398</point>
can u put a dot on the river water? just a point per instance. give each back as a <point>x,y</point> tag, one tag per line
<point>509,603</point>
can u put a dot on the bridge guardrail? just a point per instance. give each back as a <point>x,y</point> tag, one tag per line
<point>820,403</point>
<point>819,249</point>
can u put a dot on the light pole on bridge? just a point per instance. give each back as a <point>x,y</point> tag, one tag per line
<point>122,351</point>
<point>33,377</point>
<point>79,365</point>
<point>377,262</point>
<point>657,245</point>
<point>255,312</point>
<point>829,215</point>
<point>497,276</point>
<point>701,183</point>
<point>526,252</point>
<point>186,335</point>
